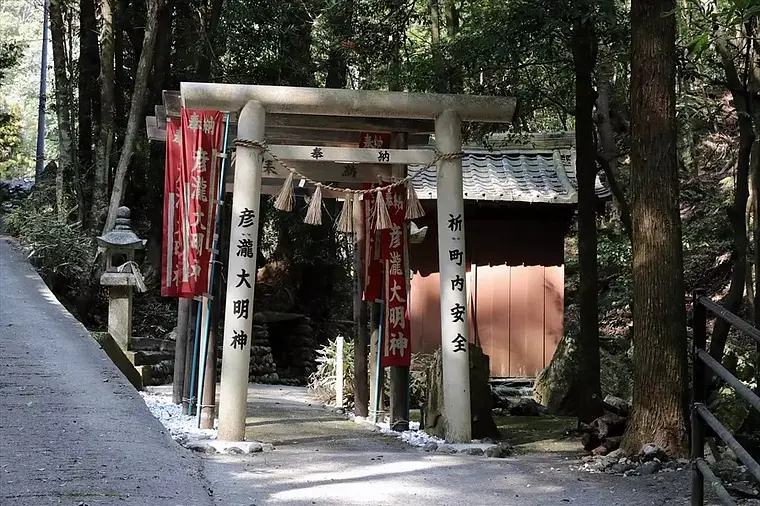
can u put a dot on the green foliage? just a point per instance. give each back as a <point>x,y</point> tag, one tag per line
<point>20,46</point>
<point>10,54</point>
<point>14,161</point>
<point>62,252</point>
<point>707,234</point>
<point>614,266</point>
<point>322,381</point>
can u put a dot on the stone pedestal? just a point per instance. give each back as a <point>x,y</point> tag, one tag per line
<point>120,315</point>
<point>119,306</point>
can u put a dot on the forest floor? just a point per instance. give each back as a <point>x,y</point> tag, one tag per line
<point>322,458</point>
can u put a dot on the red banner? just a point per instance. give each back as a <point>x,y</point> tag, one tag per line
<point>396,349</point>
<point>372,263</point>
<point>191,187</point>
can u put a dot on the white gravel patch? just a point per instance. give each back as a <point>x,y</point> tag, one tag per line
<point>181,427</point>
<point>414,436</point>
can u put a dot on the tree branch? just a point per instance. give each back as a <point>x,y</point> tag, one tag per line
<point>617,192</point>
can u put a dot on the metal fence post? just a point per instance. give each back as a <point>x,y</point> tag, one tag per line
<point>698,392</point>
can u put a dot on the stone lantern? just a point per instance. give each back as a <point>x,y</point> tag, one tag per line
<point>122,273</point>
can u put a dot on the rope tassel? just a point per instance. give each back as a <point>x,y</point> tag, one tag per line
<point>314,212</point>
<point>284,201</point>
<point>414,208</point>
<point>346,218</point>
<point>383,219</point>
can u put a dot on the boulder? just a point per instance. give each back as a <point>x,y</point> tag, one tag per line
<point>430,446</point>
<point>499,451</point>
<point>590,440</point>
<point>651,451</point>
<point>618,405</point>
<point>609,425</point>
<point>743,489</point>
<point>556,387</point>
<point>609,445</point>
<point>480,397</point>
<point>650,467</point>
<point>200,447</point>
<point>527,407</point>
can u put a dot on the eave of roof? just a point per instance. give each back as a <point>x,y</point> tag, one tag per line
<point>540,169</point>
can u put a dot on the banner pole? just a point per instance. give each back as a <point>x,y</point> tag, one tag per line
<point>208,301</point>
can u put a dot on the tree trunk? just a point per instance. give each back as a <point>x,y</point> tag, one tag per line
<point>660,388</point>
<point>162,63</point>
<point>135,113</point>
<point>733,299</point>
<point>451,13</point>
<point>337,65</point>
<point>89,109</point>
<point>608,150</point>
<point>63,95</point>
<point>295,38</point>
<point>107,96</point>
<point>584,56</point>
<point>617,192</point>
<point>209,22</point>
<point>121,76</point>
<point>439,84</point>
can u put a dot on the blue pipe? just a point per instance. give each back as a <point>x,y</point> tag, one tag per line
<point>217,231</point>
<point>193,372</point>
<point>378,371</point>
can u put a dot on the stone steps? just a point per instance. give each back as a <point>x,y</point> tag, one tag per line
<point>149,357</point>
<point>150,344</point>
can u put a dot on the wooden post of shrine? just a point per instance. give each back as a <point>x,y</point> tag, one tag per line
<point>241,277</point>
<point>452,267</point>
<point>361,340</point>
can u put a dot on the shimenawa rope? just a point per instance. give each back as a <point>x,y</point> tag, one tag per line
<point>381,218</point>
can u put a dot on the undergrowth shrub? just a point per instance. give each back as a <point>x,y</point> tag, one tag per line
<point>62,253</point>
<point>59,250</point>
<point>322,381</point>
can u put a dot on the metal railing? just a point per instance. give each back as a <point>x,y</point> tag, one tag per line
<point>704,366</point>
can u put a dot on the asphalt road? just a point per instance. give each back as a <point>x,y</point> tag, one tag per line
<point>72,429</point>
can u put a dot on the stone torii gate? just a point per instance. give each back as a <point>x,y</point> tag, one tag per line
<point>332,108</point>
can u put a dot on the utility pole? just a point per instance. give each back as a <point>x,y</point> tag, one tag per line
<point>40,157</point>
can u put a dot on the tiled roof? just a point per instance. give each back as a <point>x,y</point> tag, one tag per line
<point>514,175</point>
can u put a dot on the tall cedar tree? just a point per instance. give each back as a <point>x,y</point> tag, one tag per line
<point>659,317</point>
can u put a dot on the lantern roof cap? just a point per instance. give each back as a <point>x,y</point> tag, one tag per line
<point>121,236</point>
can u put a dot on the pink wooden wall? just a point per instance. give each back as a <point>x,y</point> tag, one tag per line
<point>516,315</point>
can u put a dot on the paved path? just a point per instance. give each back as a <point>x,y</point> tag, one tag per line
<point>324,460</point>
<point>72,430</point>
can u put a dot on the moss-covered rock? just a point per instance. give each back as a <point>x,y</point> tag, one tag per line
<point>480,396</point>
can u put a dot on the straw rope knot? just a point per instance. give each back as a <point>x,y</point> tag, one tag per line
<point>252,144</point>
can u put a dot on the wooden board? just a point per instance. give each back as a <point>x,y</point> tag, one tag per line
<point>325,171</point>
<point>161,116</point>
<point>361,155</point>
<point>154,133</point>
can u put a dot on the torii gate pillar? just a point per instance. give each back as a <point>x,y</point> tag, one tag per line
<point>241,277</point>
<point>453,272</point>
